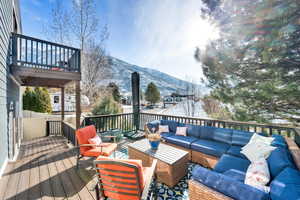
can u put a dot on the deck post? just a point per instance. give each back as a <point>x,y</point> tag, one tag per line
<point>78,107</point>
<point>135,82</point>
<point>62,108</point>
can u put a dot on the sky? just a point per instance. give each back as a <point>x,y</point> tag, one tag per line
<point>158,34</point>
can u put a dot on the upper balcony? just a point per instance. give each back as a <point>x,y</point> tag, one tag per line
<point>35,62</point>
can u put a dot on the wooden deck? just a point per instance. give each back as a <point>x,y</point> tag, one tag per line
<point>46,169</point>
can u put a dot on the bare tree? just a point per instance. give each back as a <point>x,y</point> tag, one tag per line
<point>96,67</point>
<point>58,29</point>
<point>189,105</point>
<point>214,108</point>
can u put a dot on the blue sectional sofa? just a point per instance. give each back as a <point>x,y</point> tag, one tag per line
<point>219,149</point>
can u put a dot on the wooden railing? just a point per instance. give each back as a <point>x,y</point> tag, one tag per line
<point>53,128</point>
<point>30,52</point>
<point>105,123</point>
<point>59,128</point>
<point>68,131</point>
<point>246,126</point>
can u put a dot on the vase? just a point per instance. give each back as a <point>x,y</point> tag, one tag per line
<point>154,144</point>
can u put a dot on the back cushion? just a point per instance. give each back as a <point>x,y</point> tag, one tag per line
<point>240,138</point>
<point>172,125</point>
<point>84,134</point>
<point>193,130</point>
<point>279,159</point>
<point>207,132</point>
<point>222,135</point>
<point>279,141</point>
<point>286,185</point>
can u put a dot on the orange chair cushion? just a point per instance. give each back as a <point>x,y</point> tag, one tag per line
<point>83,135</point>
<point>106,149</point>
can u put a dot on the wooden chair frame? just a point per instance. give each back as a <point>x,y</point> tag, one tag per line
<point>142,192</point>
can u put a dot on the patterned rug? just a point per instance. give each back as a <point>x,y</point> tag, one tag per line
<point>178,192</point>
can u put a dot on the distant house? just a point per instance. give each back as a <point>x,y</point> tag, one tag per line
<point>177,98</point>
<point>70,102</point>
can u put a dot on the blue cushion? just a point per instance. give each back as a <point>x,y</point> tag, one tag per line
<point>193,130</point>
<point>207,132</point>
<point>279,141</point>
<point>241,138</point>
<point>222,135</point>
<point>226,185</point>
<point>172,125</point>
<point>236,151</point>
<point>210,147</point>
<point>236,174</point>
<point>183,141</point>
<point>286,185</point>
<point>278,160</point>
<point>228,162</point>
<point>164,135</point>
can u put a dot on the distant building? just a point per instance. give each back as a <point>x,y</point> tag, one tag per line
<point>70,102</point>
<point>177,98</point>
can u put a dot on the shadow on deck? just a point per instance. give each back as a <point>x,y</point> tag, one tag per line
<point>46,169</point>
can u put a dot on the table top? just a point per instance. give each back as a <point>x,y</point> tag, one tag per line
<point>165,153</point>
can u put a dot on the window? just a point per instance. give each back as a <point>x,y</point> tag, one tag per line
<point>56,99</point>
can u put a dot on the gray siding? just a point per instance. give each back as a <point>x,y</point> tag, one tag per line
<point>9,90</point>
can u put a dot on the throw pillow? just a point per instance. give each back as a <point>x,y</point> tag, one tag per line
<point>163,128</point>
<point>258,175</point>
<point>261,139</point>
<point>181,131</point>
<point>95,140</point>
<point>256,150</point>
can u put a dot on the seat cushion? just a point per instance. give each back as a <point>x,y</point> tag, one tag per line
<point>240,138</point>
<point>207,132</point>
<point>183,141</point>
<point>193,130</point>
<point>222,135</point>
<point>286,185</point>
<point>210,147</point>
<point>279,159</point>
<point>227,185</point>
<point>164,135</point>
<point>236,151</point>
<point>236,174</point>
<point>83,135</point>
<point>106,150</point>
<point>228,162</point>
<point>172,125</point>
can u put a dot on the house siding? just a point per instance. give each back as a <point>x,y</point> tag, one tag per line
<point>9,89</point>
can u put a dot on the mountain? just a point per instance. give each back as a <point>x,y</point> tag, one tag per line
<point>121,75</point>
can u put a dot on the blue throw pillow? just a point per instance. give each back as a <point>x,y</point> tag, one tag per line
<point>207,132</point>
<point>223,135</point>
<point>278,160</point>
<point>172,125</point>
<point>286,185</point>
<point>193,130</point>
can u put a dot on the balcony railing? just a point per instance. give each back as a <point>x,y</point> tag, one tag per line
<point>30,52</point>
<point>125,122</point>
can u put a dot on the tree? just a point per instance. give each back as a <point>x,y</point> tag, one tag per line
<point>114,90</point>
<point>107,106</point>
<point>152,94</point>
<point>254,66</point>
<point>37,100</point>
<point>214,108</point>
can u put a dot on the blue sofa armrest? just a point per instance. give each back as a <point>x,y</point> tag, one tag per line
<point>227,185</point>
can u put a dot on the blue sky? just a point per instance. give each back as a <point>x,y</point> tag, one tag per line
<point>159,34</point>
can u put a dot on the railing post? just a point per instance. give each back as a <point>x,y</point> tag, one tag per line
<point>47,128</point>
<point>14,49</point>
<point>135,82</point>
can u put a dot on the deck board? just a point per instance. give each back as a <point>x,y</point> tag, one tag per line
<point>46,169</point>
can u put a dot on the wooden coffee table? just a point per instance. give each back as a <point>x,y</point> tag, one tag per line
<point>172,163</point>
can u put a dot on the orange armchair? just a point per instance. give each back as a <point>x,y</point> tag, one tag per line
<point>122,179</point>
<point>91,150</point>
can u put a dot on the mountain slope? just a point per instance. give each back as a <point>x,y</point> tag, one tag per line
<point>121,75</point>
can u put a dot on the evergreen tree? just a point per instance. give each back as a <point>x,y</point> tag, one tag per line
<point>114,89</point>
<point>107,106</point>
<point>254,66</point>
<point>37,100</point>
<point>152,94</point>
<point>28,99</point>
